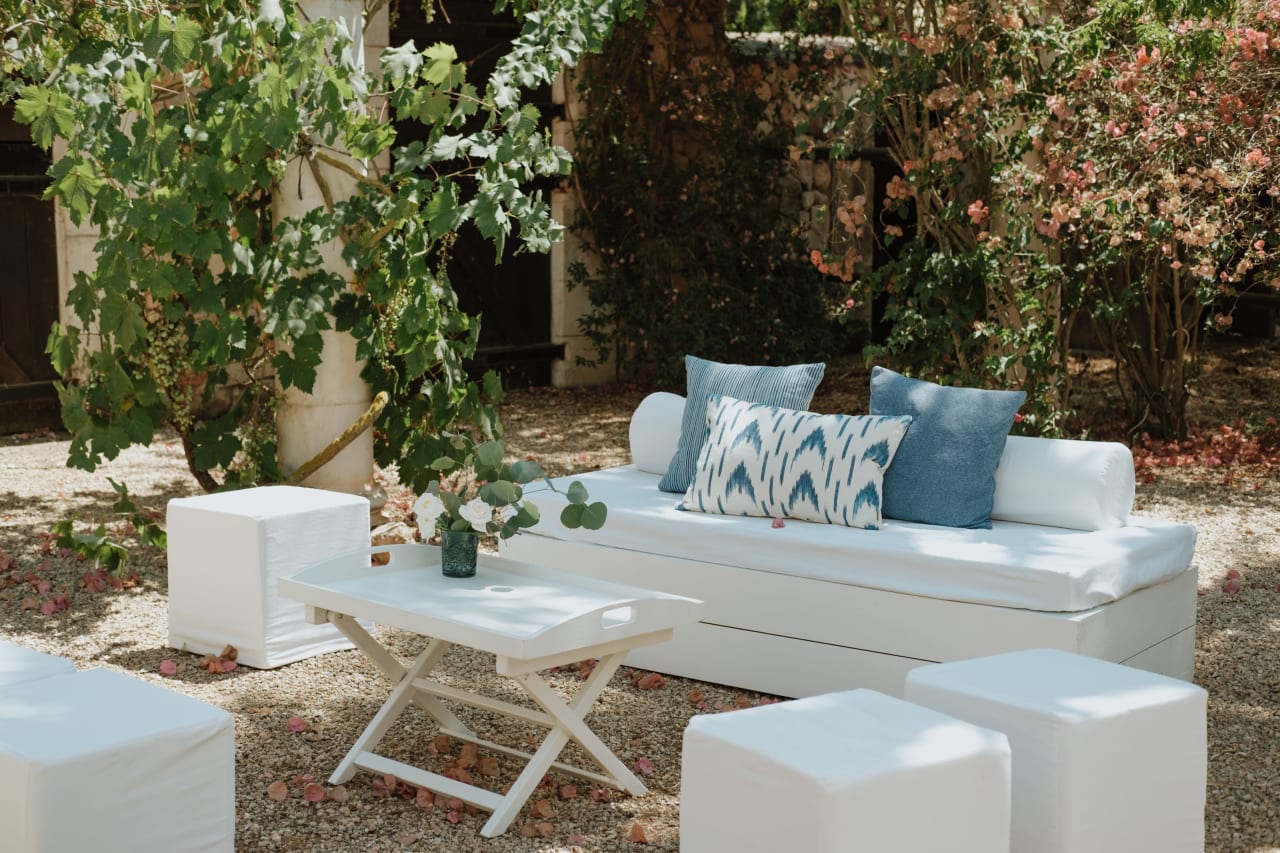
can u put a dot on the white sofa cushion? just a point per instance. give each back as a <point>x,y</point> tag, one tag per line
<point>1078,485</point>
<point>1011,565</point>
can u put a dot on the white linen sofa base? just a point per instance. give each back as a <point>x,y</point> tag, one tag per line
<point>796,636</point>
<point>815,608</point>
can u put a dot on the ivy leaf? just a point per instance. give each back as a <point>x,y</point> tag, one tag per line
<point>185,34</point>
<point>440,58</point>
<point>401,63</point>
<point>443,212</point>
<point>76,185</point>
<point>49,113</point>
<point>122,318</point>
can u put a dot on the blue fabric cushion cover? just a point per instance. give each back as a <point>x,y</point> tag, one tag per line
<point>774,462</point>
<point>944,472</point>
<point>790,387</point>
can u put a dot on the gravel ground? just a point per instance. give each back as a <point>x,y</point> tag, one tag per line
<point>1236,510</point>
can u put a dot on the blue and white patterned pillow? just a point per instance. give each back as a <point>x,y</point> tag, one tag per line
<point>771,462</point>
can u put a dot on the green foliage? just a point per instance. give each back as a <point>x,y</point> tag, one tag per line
<point>1164,168</point>
<point>1123,166</point>
<point>475,489</point>
<point>97,546</point>
<point>968,292</point>
<point>186,126</point>
<point>680,209</point>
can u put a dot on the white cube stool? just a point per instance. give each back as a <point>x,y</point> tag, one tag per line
<point>1105,757</point>
<point>848,771</point>
<point>18,663</point>
<point>228,550</point>
<point>100,761</point>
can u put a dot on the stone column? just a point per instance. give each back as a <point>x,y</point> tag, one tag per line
<point>307,423</point>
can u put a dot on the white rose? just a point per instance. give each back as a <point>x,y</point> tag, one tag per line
<point>478,513</point>
<point>428,508</point>
<point>507,513</point>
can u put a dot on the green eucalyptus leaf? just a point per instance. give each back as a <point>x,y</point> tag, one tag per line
<point>571,516</point>
<point>490,453</point>
<point>526,471</point>
<point>594,516</point>
<point>576,493</point>
<point>500,493</point>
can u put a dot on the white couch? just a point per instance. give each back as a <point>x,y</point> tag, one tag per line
<point>811,608</point>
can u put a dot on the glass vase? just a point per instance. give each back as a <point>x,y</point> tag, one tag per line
<point>458,553</point>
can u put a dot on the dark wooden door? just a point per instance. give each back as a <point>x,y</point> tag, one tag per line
<point>513,298</point>
<point>28,281</point>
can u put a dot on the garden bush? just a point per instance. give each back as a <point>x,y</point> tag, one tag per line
<point>181,122</point>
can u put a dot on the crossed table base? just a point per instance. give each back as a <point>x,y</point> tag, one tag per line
<point>530,617</point>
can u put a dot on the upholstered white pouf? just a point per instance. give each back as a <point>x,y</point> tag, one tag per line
<point>1106,758</point>
<point>856,770</point>
<point>228,550</point>
<point>99,761</point>
<point>18,663</point>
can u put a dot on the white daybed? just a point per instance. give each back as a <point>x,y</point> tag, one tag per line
<point>810,608</point>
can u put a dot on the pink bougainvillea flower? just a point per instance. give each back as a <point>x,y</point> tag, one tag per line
<point>978,212</point>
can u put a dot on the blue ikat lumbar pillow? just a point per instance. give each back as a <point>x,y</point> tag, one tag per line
<point>774,462</point>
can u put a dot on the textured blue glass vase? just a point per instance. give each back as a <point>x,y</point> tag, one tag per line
<point>458,553</point>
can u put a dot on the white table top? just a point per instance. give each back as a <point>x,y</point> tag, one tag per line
<point>509,608</point>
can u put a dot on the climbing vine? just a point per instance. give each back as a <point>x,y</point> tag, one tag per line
<point>186,124</point>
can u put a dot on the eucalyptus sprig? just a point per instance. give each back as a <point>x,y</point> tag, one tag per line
<point>479,491</point>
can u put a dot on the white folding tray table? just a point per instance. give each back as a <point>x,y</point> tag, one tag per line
<point>530,617</point>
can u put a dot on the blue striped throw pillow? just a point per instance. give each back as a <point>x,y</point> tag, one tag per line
<point>790,387</point>
<point>772,462</point>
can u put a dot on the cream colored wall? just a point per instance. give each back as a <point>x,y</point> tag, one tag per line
<point>567,305</point>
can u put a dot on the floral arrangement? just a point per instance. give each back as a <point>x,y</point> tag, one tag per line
<point>483,494</point>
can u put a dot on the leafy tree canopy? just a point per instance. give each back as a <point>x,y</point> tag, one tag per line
<point>184,124</point>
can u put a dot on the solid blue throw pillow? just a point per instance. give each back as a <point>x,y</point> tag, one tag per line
<point>945,469</point>
<point>788,387</point>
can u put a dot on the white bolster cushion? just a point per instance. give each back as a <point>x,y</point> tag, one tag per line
<point>1080,485</point>
<point>655,431</point>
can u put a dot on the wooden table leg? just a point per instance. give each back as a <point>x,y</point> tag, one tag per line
<point>401,695</point>
<point>567,724</point>
<point>394,670</point>
<point>571,715</point>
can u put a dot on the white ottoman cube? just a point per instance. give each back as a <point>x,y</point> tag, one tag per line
<point>1105,757</point>
<point>849,771</point>
<point>18,663</point>
<point>99,761</point>
<point>228,550</point>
